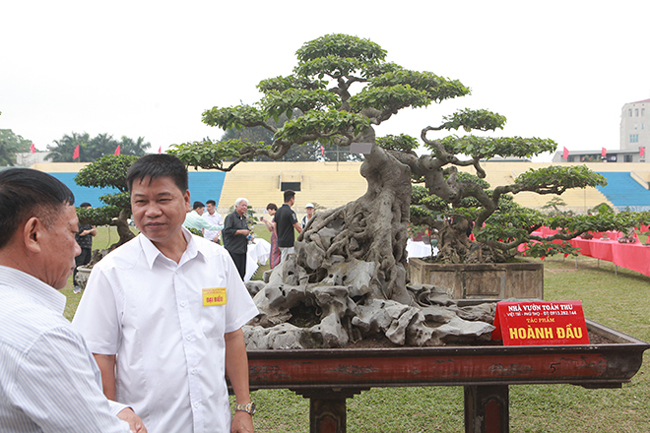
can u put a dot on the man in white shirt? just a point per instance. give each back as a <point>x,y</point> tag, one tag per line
<point>194,220</point>
<point>213,217</point>
<point>49,380</point>
<point>163,314</point>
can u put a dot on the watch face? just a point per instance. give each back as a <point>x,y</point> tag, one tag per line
<point>252,408</point>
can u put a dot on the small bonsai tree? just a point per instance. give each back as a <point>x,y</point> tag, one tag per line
<point>109,171</point>
<point>552,207</point>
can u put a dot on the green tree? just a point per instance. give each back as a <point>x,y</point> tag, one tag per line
<point>109,171</point>
<point>91,149</point>
<point>137,147</point>
<point>64,149</point>
<point>344,87</point>
<point>10,144</point>
<point>101,145</point>
<point>552,207</point>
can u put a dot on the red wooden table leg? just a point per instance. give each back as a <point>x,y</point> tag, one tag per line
<point>327,412</point>
<point>486,409</point>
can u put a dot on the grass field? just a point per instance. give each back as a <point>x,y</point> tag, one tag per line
<point>620,302</point>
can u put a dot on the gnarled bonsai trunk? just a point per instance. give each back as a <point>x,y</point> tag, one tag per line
<point>123,229</point>
<point>372,228</point>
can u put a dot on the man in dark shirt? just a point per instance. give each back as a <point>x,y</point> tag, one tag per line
<point>85,240</point>
<point>286,220</point>
<point>235,235</point>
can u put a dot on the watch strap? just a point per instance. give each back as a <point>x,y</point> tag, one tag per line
<point>248,408</point>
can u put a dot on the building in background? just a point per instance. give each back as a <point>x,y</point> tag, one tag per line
<point>27,159</point>
<point>635,121</point>
<point>611,155</point>
<point>633,144</point>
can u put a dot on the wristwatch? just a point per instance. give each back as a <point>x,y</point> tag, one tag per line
<point>248,408</point>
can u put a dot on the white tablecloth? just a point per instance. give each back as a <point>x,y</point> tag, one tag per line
<point>258,254</point>
<point>419,249</point>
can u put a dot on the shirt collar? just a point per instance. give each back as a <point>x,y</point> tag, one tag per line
<point>151,252</point>
<point>35,288</point>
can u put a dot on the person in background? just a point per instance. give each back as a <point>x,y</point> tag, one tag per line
<point>85,240</point>
<point>275,255</point>
<point>194,220</point>
<point>49,381</point>
<point>212,217</point>
<point>309,208</point>
<point>235,235</point>
<point>163,314</point>
<point>285,221</point>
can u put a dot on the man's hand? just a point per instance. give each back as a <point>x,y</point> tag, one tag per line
<point>135,423</point>
<point>242,422</point>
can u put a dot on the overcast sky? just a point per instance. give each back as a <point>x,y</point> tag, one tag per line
<point>555,69</point>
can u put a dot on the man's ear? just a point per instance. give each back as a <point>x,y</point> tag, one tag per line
<point>32,232</point>
<point>186,197</point>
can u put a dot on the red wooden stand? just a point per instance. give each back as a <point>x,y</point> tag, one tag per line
<point>329,376</point>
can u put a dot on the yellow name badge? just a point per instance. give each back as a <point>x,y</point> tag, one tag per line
<point>215,296</point>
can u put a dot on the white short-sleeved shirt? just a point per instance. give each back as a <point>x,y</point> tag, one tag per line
<point>216,220</point>
<point>149,311</point>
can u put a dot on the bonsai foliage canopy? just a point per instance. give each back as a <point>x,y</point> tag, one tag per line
<point>344,86</point>
<point>109,171</point>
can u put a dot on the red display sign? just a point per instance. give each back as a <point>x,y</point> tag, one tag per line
<point>539,323</point>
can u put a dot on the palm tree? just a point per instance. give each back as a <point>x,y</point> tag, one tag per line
<point>91,149</point>
<point>130,147</point>
<point>64,149</point>
<point>101,145</point>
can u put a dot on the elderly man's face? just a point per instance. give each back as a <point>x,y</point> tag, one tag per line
<point>60,248</point>
<point>242,207</point>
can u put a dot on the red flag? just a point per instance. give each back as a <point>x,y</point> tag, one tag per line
<point>565,153</point>
<point>75,155</point>
<point>322,150</point>
<point>603,152</point>
<point>642,151</point>
<point>33,148</point>
<point>159,149</point>
<point>117,150</point>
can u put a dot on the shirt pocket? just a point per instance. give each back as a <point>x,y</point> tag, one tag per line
<point>213,320</point>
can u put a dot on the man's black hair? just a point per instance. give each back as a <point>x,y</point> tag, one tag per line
<point>158,165</point>
<point>25,193</point>
<point>85,204</point>
<point>212,202</point>
<point>197,205</point>
<point>288,195</point>
<point>272,206</point>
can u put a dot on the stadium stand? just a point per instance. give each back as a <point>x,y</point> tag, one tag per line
<point>331,184</point>
<point>625,192</point>
<point>203,185</point>
<point>326,184</point>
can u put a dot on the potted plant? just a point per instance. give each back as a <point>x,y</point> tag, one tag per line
<point>106,172</point>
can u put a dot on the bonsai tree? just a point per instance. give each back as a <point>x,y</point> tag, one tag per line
<point>344,86</point>
<point>510,225</point>
<point>552,206</point>
<point>109,171</point>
